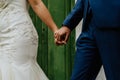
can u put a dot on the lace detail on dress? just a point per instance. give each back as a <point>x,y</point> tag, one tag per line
<point>4,3</point>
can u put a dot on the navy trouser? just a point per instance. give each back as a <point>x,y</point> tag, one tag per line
<point>96,47</point>
<point>87,60</point>
<point>108,43</point>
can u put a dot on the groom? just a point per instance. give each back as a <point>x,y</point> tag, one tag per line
<point>99,42</point>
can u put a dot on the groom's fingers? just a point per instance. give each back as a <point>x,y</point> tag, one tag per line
<point>66,37</point>
<point>60,37</point>
<point>57,42</point>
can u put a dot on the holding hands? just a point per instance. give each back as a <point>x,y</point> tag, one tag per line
<point>61,36</point>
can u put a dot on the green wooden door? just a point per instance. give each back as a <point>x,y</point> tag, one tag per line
<point>56,61</point>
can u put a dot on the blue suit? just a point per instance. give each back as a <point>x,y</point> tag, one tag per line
<point>99,42</point>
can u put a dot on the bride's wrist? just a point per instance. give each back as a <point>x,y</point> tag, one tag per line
<point>55,29</point>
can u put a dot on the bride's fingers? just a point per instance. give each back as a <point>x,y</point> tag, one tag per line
<point>58,36</point>
<point>55,35</point>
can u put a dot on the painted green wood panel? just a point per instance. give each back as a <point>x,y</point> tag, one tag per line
<point>56,61</point>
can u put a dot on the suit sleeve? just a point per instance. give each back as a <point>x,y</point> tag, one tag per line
<point>74,16</point>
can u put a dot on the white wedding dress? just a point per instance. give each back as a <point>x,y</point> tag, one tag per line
<point>18,43</point>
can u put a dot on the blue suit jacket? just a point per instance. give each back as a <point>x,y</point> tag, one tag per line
<point>106,13</point>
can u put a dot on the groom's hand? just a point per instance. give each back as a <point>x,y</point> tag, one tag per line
<point>61,36</point>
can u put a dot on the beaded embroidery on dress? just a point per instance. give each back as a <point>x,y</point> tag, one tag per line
<point>18,43</point>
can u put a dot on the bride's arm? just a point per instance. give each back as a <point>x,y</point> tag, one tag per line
<point>43,13</point>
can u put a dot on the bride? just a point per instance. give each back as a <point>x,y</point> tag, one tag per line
<point>19,39</point>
